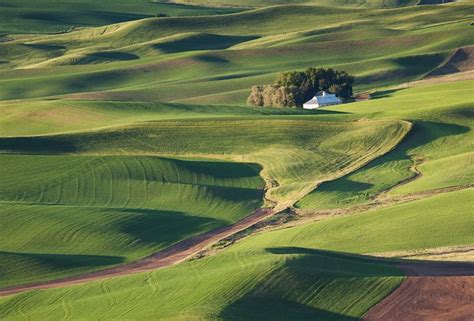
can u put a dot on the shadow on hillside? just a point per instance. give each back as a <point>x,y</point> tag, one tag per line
<point>233,76</point>
<point>42,46</point>
<point>211,59</point>
<point>307,281</point>
<point>62,261</point>
<point>385,266</point>
<point>351,185</point>
<point>114,56</point>
<point>201,42</point>
<point>36,145</point>
<point>163,228</point>
<point>269,309</point>
<point>219,169</point>
<point>407,68</point>
<point>385,93</point>
<point>332,263</point>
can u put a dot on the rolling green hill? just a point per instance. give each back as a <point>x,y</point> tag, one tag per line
<point>34,117</point>
<point>253,277</point>
<point>314,151</point>
<point>440,144</point>
<point>93,212</point>
<point>264,3</point>
<point>123,131</point>
<point>216,59</point>
<point>57,16</point>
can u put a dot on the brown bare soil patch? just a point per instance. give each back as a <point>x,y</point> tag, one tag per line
<point>435,291</point>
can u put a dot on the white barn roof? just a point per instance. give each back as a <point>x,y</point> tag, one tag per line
<point>322,100</point>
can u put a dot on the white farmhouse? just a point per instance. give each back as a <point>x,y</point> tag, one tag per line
<point>324,99</point>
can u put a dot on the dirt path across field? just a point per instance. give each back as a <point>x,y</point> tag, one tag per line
<point>166,257</point>
<point>433,291</point>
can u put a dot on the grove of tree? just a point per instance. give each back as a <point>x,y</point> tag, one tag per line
<point>293,88</point>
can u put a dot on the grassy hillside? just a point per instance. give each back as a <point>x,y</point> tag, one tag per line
<point>313,150</point>
<point>263,3</point>
<point>252,278</point>
<point>128,133</point>
<point>97,187</point>
<point>440,145</point>
<point>55,16</point>
<point>33,117</point>
<point>216,59</point>
<point>92,212</point>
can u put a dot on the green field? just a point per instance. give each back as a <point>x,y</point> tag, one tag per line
<point>264,3</point>
<point>216,59</point>
<point>91,212</point>
<point>442,137</point>
<point>314,151</point>
<point>57,16</point>
<point>251,279</point>
<point>123,133</point>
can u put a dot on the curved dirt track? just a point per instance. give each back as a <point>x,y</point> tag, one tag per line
<point>166,257</point>
<point>433,291</point>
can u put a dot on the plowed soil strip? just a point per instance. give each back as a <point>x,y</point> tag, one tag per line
<point>166,257</point>
<point>433,292</point>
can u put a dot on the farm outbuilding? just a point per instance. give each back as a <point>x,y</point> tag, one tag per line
<point>362,97</point>
<point>325,99</point>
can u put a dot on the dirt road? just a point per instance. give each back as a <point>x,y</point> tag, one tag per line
<point>166,257</point>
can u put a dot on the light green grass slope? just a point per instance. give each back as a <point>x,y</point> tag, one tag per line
<point>296,154</point>
<point>34,117</point>
<point>277,275</point>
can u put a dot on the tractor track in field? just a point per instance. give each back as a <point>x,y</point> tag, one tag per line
<point>174,254</point>
<point>417,174</point>
<point>377,203</point>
